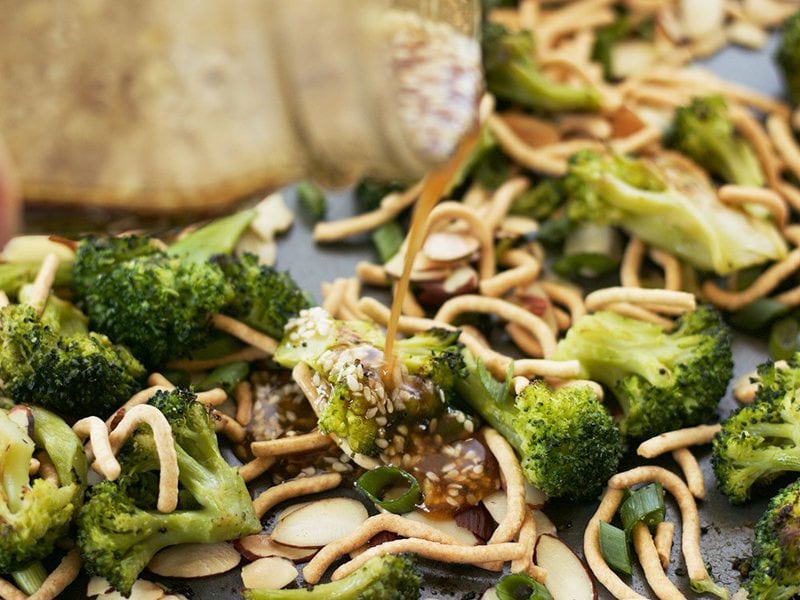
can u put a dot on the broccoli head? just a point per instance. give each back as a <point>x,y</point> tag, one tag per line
<point>36,513</point>
<point>787,57</point>
<point>775,570</point>
<point>669,203</point>
<point>381,578</point>
<point>97,256</point>
<point>761,441</point>
<point>156,305</point>
<point>79,374</point>
<point>265,298</point>
<point>703,131</point>
<point>347,357</point>
<point>568,443</point>
<point>662,381</point>
<point>118,534</point>
<point>512,75</point>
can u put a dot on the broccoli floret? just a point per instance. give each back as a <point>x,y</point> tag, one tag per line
<point>540,201</point>
<point>761,441</point>
<point>348,361</point>
<point>58,314</point>
<point>117,536</point>
<point>36,513</point>
<point>265,298</point>
<point>568,443</point>
<point>157,306</point>
<point>79,374</point>
<point>95,257</point>
<point>670,204</point>
<point>662,381</point>
<point>787,57</point>
<point>381,578</point>
<point>512,75</point>
<point>703,131</point>
<point>775,570</point>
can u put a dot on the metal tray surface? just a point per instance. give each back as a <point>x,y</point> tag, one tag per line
<point>726,530</point>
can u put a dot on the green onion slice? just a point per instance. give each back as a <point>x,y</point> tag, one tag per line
<point>387,239</point>
<point>756,316</point>
<point>225,377</point>
<point>783,339</point>
<point>645,504</point>
<point>312,199</point>
<point>615,548</point>
<point>373,484</point>
<point>521,586</point>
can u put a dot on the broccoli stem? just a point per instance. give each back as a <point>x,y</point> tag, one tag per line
<point>499,416</point>
<point>16,460</point>
<point>709,586</point>
<point>532,89</point>
<point>31,578</point>
<point>787,431</point>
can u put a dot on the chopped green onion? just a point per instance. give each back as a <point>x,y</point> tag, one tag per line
<point>225,376</point>
<point>590,251</point>
<point>312,199</point>
<point>521,586</point>
<point>645,504</point>
<point>784,339</point>
<point>615,548</point>
<point>373,484</point>
<point>756,316</point>
<point>387,239</point>
<point>31,578</point>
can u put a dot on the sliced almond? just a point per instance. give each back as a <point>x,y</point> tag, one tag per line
<point>534,497</point>
<point>271,573</point>
<point>567,576</point>
<point>544,526</point>
<point>516,225</point>
<point>748,34</point>
<point>252,243</point>
<point>633,56</point>
<point>463,280</point>
<point>448,526</point>
<point>625,122</point>
<point>533,131</point>
<point>34,249</point>
<point>424,269</point>
<point>497,505</point>
<point>98,585</point>
<point>702,18</point>
<point>141,590</point>
<point>22,416</point>
<point>447,246</point>
<point>253,547</point>
<point>195,560</point>
<point>272,217</point>
<point>490,594</point>
<point>319,523</point>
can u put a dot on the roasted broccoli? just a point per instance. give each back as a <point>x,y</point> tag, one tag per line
<point>662,381</point>
<point>348,361</point>
<point>761,441</point>
<point>96,257</point>
<point>119,531</point>
<point>788,57</point>
<point>264,298</point>
<point>669,203</point>
<point>567,441</point>
<point>381,578</point>
<point>512,75</point>
<point>36,512</point>
<point>78,374</point>
<point>704,132</point>
<point>775,570</point>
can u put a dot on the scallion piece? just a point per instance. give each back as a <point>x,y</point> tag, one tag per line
<point>312,199</point>
<point>615,548</point>
<point>645,504</point>
<point>373,484</point>
<point>521,586</point>
<point>387,239</point>
<point>225,377</point>
<point>756,316</point>
<point>783,339</point>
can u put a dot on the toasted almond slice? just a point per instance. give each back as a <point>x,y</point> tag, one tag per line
<point>700,19</point>
<point>633,56</point>
<point>195,560</point>
<point>567,576</point>
<point>625,122</point>
<point>141,590</point>
<point>533,131</point>
<point>463,280</point>
<point>534,497</point>
<point>447,246</point>
<point>252,243</point>
<point>273,216</point>
<point>747,34</point>
<point>449,526</point>
<point>272,573</point>
<point>497,505</point>
<point>319,523</point>
<point>543,524</point>
<point>98,585</point>
<point>253,547</point>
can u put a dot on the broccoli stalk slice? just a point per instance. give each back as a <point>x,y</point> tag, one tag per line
<point>512,75</point>
<point>382,578</point>
<point>218,237</point>
<point>16,459</point>
<point>31,578</point>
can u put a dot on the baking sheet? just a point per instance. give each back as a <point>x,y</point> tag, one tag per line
<point>726,530</point>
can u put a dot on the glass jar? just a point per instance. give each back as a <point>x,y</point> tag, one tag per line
<point>185,106</point>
